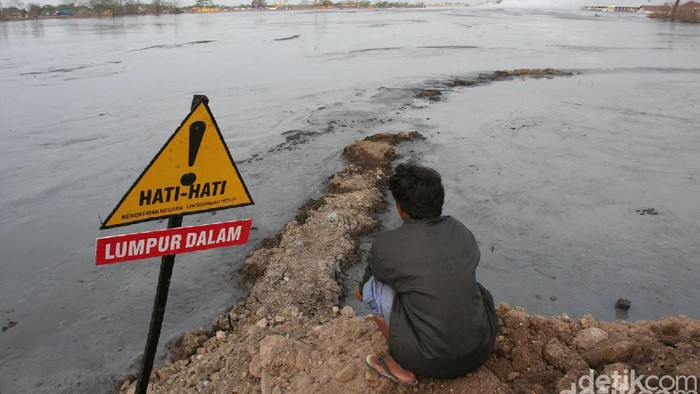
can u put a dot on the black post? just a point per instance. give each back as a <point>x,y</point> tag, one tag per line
<point>166,271</point>
<point>674,10</point>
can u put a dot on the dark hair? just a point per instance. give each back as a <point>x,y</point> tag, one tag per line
<point>418,190</point>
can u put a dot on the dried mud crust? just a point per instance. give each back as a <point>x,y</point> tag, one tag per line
<point>289,335</point>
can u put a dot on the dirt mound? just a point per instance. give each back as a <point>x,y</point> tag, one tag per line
<point>289,335</point>
<point>290,352</point>
<point>430,94</point>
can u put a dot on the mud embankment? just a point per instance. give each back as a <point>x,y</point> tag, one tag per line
<point>289,335</point>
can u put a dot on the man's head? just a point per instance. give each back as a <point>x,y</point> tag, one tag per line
<point>418,190</point>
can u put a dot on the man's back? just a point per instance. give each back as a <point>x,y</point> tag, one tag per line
<point>441,326</point>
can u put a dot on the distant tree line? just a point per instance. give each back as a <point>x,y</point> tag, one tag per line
<point>17,9</point>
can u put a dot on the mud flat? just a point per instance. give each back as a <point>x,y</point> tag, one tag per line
<point>290,335</point>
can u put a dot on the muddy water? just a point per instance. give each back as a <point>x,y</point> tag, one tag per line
<point>559,185</point>
<point>549,174</point>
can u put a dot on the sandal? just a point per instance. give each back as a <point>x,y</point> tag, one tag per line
<point>386,372</point>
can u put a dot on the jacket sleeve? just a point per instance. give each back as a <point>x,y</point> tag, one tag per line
<point>365,278</point>
<point>379,266</point>
<point>368,269</point>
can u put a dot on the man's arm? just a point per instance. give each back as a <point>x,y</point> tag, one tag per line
<point>361,285</point>
<point>377,263</point>
<point>366,276</point>
<point>374,265</point>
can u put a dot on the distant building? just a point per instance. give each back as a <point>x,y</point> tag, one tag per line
<point>205,9</point>
<point>445,5</point>
<point>612,8</point>
<point>648,9</point>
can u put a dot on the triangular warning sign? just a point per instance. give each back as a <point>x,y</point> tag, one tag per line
<point>193,172</point>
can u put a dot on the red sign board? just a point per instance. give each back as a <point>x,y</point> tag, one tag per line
<point>136,246</point>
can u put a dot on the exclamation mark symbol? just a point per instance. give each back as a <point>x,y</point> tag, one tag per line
<point>196,135</point>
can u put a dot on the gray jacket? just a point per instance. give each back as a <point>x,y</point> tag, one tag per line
<point>443,322</point>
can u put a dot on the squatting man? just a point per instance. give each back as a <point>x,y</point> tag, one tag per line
<point>421,288</point>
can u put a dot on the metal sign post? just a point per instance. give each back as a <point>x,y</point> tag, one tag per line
<point>149,354</point>
<point>166,272</point>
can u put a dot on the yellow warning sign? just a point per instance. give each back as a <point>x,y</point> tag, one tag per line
<point>194,172</point>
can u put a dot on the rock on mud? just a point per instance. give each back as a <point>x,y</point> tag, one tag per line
<point>429,94</point>
<point>623,304</point>
<point>589,337</point>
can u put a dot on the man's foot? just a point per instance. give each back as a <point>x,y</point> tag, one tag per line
<point>390,369</point>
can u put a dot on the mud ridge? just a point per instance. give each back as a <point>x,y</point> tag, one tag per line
<point>172,46</point>
<point>499,75</point>
<point>289,334</point>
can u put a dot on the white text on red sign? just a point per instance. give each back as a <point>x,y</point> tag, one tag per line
<point>180,240</point>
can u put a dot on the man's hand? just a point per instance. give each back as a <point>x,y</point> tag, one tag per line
<point>358,293</point>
